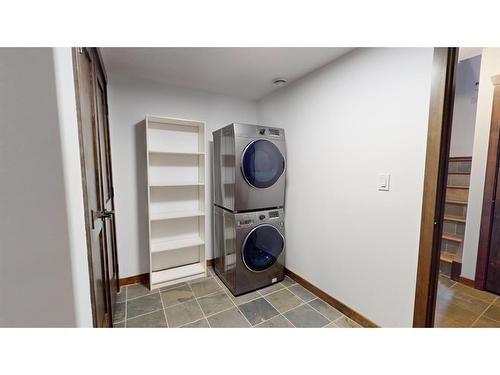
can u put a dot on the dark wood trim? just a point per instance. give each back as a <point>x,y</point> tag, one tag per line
<point>436,168</point>
<point>210,262</point>
<point>466,281</point>
<point>344,309</point>
<point>460,158</point>
<point>101,63</point>
<point>490,187</point>
<point>76,79</point>
<point>143,278</point>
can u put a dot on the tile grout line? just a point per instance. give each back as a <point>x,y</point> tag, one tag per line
<point>486,309</point>
<point>150,312</point>
<point>233,302</point>
<point>202,312</point>
<point>237,308</point>
<point>279,313</point>
<point>164,312</point>
<point>308,303</point>
<point>126,291</point>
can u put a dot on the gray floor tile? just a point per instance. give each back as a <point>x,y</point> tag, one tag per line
<point>306,317</point>
<point>208,286</point>
<point>176,295</point>
<point>331,325</point>
<point>119,312</point>
<point>184,313</point>
<point>244,298</point>
<point>143,305</point>
<point>302,293</point>
<point>258,311</point>
<point>152,320</point>
<point>271,288</point>
<point>325,309</point>
<point>288,282</point>
<point>279,321</point>
<point>202,323</point>
<point>138,290</point>
<point>120,297</point>
<point>345,322</point>
<point>283,300</point>
<point>178,285</point>
<point>215,303</point>
<point>232,318</point>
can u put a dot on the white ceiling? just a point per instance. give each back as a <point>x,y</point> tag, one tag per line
<point>243,72</point>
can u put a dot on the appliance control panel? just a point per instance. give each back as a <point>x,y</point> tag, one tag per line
<point>269,132</point>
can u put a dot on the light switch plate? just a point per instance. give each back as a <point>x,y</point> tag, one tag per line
<point>384,182</point>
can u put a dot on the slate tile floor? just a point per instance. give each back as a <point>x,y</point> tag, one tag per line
<point>206,303</point>
<point>458,306</point>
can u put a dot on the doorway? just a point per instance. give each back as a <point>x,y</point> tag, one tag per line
<point>448,293</point>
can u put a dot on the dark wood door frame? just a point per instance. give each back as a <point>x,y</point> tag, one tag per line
<point>490,188</point>
<point>436,168</point>
<point>97,64</point>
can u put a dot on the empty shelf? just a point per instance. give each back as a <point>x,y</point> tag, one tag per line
<point>176,152</point>
<point>159,183</point>
<point>175,215</point>
<point>158,277</point>
<point>158,246</point>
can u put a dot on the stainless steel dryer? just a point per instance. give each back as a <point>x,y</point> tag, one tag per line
<point>249,248</point>
<point>249,167</point>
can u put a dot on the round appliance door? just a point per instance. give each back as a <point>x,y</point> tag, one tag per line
<point>262,247</point>
<point>262,163</point>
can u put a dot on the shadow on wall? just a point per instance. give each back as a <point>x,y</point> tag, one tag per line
<point>142,195</point>
<point>209,253</point>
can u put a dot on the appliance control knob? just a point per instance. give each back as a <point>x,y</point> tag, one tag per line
<point>262,217</point>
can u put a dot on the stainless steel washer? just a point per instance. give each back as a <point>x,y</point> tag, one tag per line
<point>249,167</point>
<point>249,248</point>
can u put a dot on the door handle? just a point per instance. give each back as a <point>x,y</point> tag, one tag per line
<point>105,214</point>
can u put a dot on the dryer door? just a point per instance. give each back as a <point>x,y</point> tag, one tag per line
<point>262,163</point>
<point>262,247</point>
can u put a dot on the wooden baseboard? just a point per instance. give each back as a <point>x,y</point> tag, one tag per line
<point>466,281</point>
<point>143,278</point>
<point>344,309</point>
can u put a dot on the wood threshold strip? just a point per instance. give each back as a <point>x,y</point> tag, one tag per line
<point>143,278</point>
<point>344,309</point>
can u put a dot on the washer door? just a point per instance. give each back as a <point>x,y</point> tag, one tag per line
<point>262,163</point>
<point>262,247</point>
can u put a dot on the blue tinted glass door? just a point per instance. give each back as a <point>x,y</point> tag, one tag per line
<point>262,163</point>
<point>262,247</point>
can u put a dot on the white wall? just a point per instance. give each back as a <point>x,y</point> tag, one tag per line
<point>490,66</point>
<point>36,281</point>
<point>70,147</point>
<point>129,102</point>
<point>364,114</point>
<point>464,111</point>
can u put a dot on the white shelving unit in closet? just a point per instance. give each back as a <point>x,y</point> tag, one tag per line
<point>177,201</point>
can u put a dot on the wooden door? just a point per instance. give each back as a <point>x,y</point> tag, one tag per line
<point>96,175</point>
<point>107,183</point>
<point>493,262</point>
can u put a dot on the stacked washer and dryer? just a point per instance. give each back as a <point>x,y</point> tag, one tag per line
<point>249,196</point>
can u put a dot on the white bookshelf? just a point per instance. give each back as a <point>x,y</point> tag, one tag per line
<point>176,172</point>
